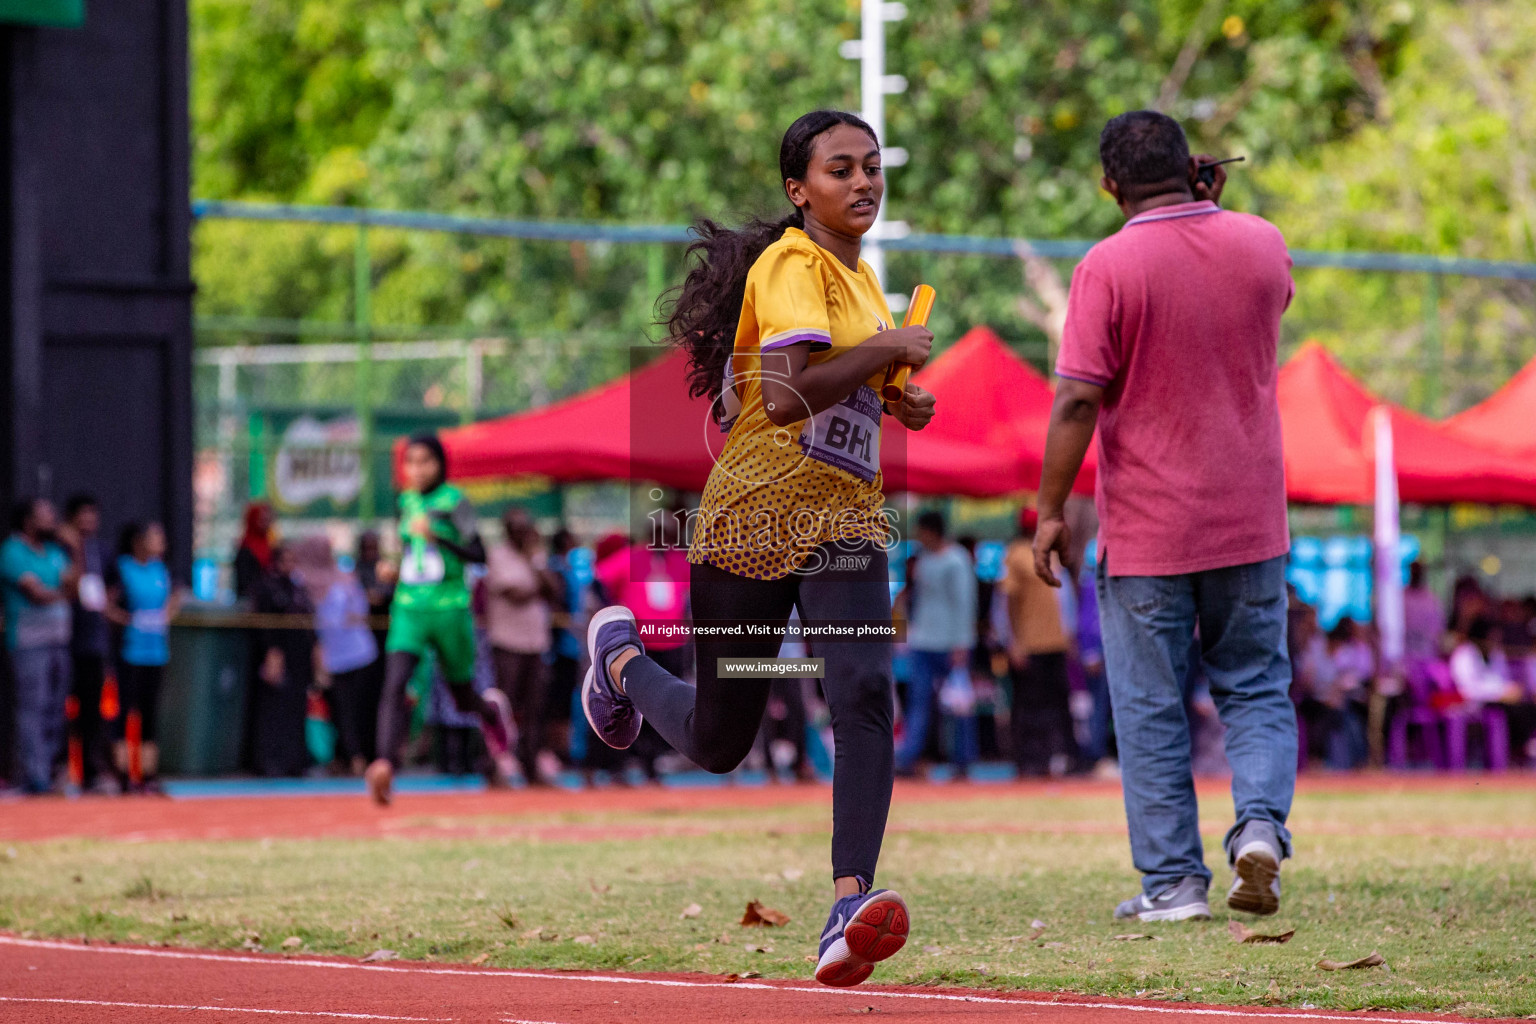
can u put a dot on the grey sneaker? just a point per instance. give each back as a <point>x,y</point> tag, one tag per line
<point>613,715</point>
<point>1255,855</point>
<point>1184,900</point>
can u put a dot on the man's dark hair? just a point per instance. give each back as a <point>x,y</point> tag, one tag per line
<point>77,502</point>
<point>931,521</point>
<point>129,536</point>
<point>21,511</point>
<point>1482,628</point>
<point>1145,153</point>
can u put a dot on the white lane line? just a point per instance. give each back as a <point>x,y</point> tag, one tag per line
<point>1250,1013</point>
<point>224,1009</point>
<point>516,1020</point>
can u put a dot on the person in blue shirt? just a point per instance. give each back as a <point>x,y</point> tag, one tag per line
<point>347,645</point>
<point>143,601</point>
<point>38,580</point>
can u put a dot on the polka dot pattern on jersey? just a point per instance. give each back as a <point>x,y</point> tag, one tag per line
<point>767,505</point>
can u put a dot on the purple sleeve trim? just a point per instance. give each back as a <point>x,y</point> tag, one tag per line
<point>1084,380</point>
<point>818,339</point>
<point>817,344</point>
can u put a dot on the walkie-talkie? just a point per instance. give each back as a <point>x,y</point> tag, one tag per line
<point>1206,174</point>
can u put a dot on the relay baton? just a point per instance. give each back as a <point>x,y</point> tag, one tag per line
<point>917,316</point>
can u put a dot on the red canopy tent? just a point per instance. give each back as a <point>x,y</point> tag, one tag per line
<point>669,438</point>
<point>988,394</point>
<point>1506,420</point>
<point>1329,455</point>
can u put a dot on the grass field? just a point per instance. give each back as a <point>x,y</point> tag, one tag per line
<point>1441,883</point>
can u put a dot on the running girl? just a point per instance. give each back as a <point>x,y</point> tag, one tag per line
<point>431,612</point>
<point>781,322</point>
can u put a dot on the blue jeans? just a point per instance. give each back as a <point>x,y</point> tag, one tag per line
<point>42,684</point>
<point>1098,719</point>
<point>1148,623</point>
<point>928,671</point>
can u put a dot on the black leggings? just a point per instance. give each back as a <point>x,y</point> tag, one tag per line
<point>138,689</point>
<point>395,704</point>
<point>715,724</point>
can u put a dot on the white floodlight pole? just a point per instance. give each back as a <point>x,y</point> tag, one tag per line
<point>874,84</point>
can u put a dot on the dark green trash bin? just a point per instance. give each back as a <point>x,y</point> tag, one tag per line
<point>202,706</point>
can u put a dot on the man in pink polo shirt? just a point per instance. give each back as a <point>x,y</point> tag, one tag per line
<point>1170,350</point>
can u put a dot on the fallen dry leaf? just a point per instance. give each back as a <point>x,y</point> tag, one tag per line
<point>731,977</point>
<point>810,959</point>
<point>933,949</point>
<point>757,949</point>
<point>548,936</point>
<point>691,910</point>
<point>1272,994</point>
<point>758,916</point>
<point>1133,936</point>
<point>792,874</point>
<point>584,940</point>
<point>724,938</point>
<point>751,974</point>
<point>699,947</point>
<point>1053,945</point>
<point>599,890</point>
<point>1037,923</point>
<point>1242,933</point>
<point>532,933</point>
<point>482,958</point>
<point>379,955</point>
<point>641,959</point>
<point>292,942</point>
<point>1373,960</point>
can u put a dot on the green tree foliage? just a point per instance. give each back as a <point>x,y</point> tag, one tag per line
<point>665,110</point>
<point>1442,163</point>
<point>285,103</point>
<point>286,98</point>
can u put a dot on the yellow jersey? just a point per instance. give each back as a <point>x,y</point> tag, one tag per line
<point>776,493</point>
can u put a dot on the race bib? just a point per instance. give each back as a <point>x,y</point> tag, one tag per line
<point>149,620</point>
<point>92,592</point>
<point>847,435</point>
<point>423,566</point>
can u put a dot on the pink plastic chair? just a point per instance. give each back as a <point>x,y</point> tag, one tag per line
<point>1420,712</point>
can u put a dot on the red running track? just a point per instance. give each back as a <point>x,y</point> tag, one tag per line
<point>518,813</point>
<point>64,983</point>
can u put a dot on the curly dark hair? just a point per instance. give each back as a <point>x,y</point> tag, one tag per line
<point>702,313</point>
<point>1145,153</point>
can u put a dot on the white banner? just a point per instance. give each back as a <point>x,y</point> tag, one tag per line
<point>319,459</point>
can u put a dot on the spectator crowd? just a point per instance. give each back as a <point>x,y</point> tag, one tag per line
<point>1007,669</point>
